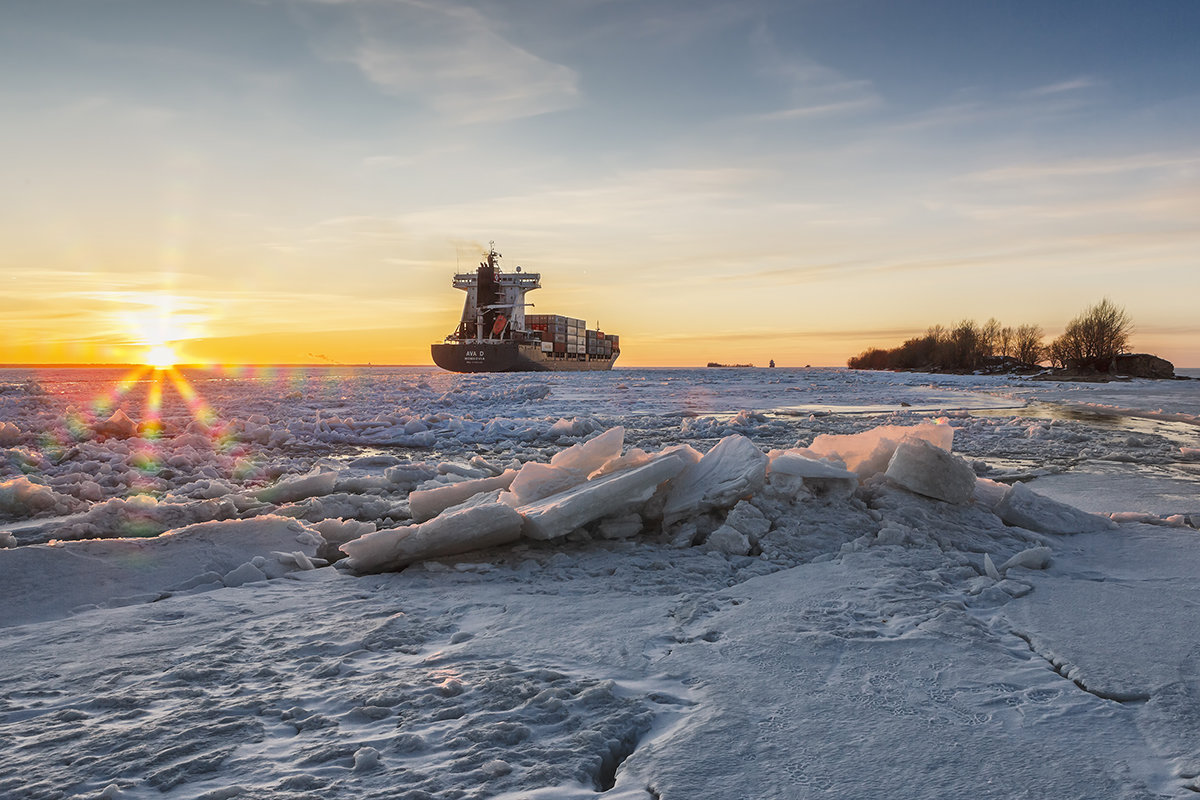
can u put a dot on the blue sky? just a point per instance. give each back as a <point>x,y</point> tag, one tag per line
<point>715,181</point>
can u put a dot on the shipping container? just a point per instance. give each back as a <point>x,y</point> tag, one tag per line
<point>560,347</point>
<point>547,347</point>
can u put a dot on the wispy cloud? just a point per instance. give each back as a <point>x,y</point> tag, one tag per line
<point>1061,87</point>
<point>813,89</point>
<point>823,110</point>
<point>1023,173</point>
<point>453,58</point>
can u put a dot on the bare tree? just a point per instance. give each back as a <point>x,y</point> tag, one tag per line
<point>989,337</point>
<point>1027,344</point>
<point>1006,341</point>
<point>1095,337</point>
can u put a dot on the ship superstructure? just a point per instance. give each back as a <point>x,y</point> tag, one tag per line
<point>495,334</point>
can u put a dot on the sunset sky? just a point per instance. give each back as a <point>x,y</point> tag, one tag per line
<point>296,181</point>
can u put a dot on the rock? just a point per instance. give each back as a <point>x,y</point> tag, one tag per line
<point>1143,365</point>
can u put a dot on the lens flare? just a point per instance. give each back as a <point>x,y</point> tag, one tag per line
<point>161,356</point>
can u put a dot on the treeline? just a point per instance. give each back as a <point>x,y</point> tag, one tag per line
<point>1091,341</point>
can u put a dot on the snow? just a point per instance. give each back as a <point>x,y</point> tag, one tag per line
<point>698,583</point>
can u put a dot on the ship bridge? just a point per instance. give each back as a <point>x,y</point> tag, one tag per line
<point>495,303</point>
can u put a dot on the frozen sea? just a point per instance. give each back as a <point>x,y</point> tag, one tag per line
<point>182,637</point>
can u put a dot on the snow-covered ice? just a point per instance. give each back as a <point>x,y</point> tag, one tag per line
<point>643,583</point>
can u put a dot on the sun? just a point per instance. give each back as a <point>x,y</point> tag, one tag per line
<point>161,356</point>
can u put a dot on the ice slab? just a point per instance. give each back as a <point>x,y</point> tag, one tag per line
<point>869,452</point>
<point>289,490</point>
<point>734,468</point>
<point>928,470</point>
<point>1027,509</point>
<point>44,582</point>
<point>614,494</point>
<point>791,471</point>
<point>589,456</point>
<point>448,534</point>
<point>537,480</point>
<point>426,504</point>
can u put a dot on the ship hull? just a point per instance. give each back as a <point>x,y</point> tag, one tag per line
<point>476,356</point>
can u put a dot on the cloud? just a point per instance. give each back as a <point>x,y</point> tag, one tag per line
<point>1073,85</point>
<point>814,90</point>
<point>1084,168</point>
<point>823,110</point>
<point>454,59</point>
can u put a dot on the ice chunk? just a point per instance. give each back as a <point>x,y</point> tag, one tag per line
<point>10,434</point>
<point>246,573</point>
<point>620,527</point>
<point>1032,558</point>
<point>734,468</point>
<point>927,469</point>
<point>289,490</point>
<point>989,493</point>
<point>635,457</point>
<point>428,503</point>
<point>118,426</point>
<point>409,475</point>
<point>617,493</point>
<point>869,452</point>
<point>748,519</point>
<point>21,497</point>
<point>790,471</point>
<point>448,534</point>
<point>1027,509</point>
<point>536,480</point>
<point>589,456</point>
<point>337,532</point>
<point>727,540</point>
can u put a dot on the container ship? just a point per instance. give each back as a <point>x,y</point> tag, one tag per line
<point>496,335</point>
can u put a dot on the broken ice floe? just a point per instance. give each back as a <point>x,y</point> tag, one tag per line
<point>729,501</point>
<point>667,492</point>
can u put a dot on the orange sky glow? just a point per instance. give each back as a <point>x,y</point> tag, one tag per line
<point>297,183</point>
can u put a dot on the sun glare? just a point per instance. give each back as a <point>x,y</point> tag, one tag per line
<point>161,356</point>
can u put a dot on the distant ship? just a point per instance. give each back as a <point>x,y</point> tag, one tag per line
<point>496,335</point>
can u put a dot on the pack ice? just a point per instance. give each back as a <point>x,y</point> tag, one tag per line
<point>725,500</point>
